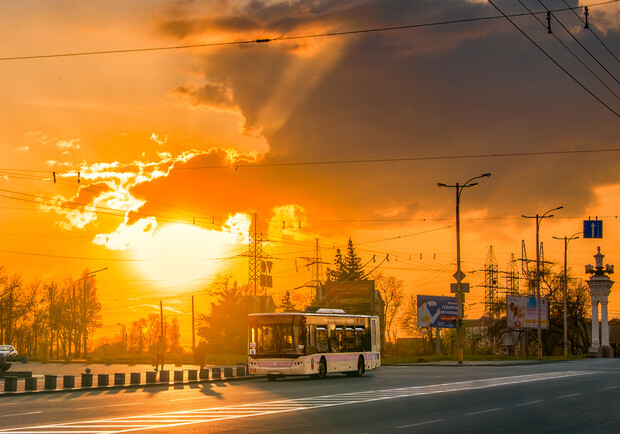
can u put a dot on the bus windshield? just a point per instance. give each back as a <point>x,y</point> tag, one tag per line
<point>277,336</point>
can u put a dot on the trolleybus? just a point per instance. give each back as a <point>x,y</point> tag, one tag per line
<point>315,344</point>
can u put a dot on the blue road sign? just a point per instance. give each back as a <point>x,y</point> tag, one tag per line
<point>593,228</point>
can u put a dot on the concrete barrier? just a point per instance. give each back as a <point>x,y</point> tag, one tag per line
<point>87,380</point>
<point>164,376</point>
<point>151,377</point>
<point>30,383</point>
<point>134,378</point>
<point>103,379</point>
<point>68,381</point>
<point>192,375</point>
<point>178,376</point>
<point>216,373</point>
<point>50,382</point>
<point>204,373</point>
<point>10,384</point>
<point>119,379</point>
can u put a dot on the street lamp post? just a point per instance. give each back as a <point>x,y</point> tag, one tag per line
<point>459,275</point>
<point>539,325</point>
<point>566,241</point>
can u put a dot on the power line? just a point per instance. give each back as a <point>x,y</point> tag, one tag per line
<point>281,38</point>
<point>554,61</point>
<point>581,45</point>
<point>571,51</point>
<point>593,32</point>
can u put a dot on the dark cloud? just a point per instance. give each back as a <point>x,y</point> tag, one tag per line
<point>210,95</point>
<point>467,89</point>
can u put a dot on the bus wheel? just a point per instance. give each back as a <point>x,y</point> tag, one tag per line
<point>271,377</point>
<point>361,368</point>
<point>322,368</point>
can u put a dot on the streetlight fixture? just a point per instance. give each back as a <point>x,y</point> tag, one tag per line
<point>538,221</point>
<point>566,241</point>
<point>459,275</point>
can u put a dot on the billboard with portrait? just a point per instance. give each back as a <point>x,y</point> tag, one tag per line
<point>522,312</point>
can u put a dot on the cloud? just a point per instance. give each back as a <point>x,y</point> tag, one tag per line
<point>160,140</point>
<point>448,93</point>
<point>214,96</point>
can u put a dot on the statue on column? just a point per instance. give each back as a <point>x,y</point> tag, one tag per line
<point>600,286</point>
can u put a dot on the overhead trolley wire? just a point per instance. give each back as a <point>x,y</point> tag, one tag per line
<point>281,38</point>
<point>572,52</point>
<point>593,32</point>
<point>542,50</point>
<point>580,44</point>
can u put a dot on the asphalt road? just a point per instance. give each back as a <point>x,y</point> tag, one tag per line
<point>578,396</point>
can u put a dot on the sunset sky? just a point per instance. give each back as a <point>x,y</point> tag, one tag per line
<point>340,127</point>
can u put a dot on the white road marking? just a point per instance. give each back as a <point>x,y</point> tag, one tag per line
<point>490,410</point>
<point>538,401</point>
<point>21,414</point>
<point>187,417</point>
<point>421,423</point>
<point>569,396</point>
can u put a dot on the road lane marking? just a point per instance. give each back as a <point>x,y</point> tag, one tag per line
<point>490,410</point>
<point>572,395</point>
<point>421,423</point>
<point>21,414</point>
<point>538,401</point>
<point>206,415</point>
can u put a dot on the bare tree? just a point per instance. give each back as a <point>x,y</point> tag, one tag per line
<point>391,290</point>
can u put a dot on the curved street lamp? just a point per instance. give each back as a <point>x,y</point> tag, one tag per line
<point>539,219</point>
<point>566,241</point>
<point>459,275</point>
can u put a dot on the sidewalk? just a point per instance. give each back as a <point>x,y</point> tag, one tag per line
<point>176,375</point>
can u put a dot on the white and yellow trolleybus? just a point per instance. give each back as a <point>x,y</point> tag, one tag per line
<point>315,344</point>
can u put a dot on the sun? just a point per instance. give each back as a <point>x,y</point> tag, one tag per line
<point>178,254</point>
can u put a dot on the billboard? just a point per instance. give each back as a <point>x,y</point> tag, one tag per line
<point>354,297</point>
<point>434,311</point>
<point>522,312</point>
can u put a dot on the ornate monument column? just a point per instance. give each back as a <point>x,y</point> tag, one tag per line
<point>600,286</point>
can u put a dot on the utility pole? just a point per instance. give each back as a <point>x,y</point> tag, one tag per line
<point>539,219</point>
<point>255,255</point>
<point>460,288</point>
<point>161,319</point>
<point>315,264</point>
<point>193,327</point>
<point>566,241</point>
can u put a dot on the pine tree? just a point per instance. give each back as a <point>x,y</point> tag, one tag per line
<point>339,267</point>
<point>353,264</point>
<point>286,304</point>
<point>347,268</point>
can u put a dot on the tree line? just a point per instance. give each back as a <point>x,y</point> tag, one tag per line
<point>48,319</point>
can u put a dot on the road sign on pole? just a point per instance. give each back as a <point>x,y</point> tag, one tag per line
<point>593,228</point>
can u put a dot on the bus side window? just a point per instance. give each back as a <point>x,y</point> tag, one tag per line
<point>311,339</point>
<point>368,340</point>
<point>322,339</point>
<point>338,340</point>
<point>359,339</point>
<point>350,339</point>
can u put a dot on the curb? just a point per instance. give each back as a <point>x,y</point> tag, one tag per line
<point>128,386</point>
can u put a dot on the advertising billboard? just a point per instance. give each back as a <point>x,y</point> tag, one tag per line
<point>522,312</point>
<point>434,311</point>
<point>353,297</point>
